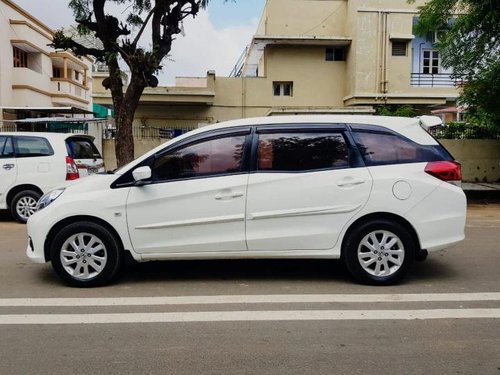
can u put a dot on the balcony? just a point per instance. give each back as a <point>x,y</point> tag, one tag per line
<point>436,80</point>
<point>69,93</point>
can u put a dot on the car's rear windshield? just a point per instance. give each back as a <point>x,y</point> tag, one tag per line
<point>82,148</point>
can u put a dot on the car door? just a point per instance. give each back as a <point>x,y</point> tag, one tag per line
<point>196,199</point>
<point>37,162</point>
<point>305,188</point>
<point>8,167</point>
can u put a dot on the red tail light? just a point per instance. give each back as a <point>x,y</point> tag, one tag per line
<point>71,169</point>
<point>449,171</point>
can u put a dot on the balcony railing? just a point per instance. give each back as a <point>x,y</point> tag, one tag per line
<point>436,80</point>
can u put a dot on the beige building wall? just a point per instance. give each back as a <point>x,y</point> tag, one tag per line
<point>289,47</point>
<point>35,85</point>
<point>480,158</point>
<point>299,17</point>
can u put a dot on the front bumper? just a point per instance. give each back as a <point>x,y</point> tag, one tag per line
<point>38,227</point>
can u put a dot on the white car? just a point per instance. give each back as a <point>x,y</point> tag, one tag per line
<point>378,192</point>
<point>33,163</point>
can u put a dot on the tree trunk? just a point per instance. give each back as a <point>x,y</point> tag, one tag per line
<point>124,149</point>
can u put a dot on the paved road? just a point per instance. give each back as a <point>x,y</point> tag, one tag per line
<point>257,317</point>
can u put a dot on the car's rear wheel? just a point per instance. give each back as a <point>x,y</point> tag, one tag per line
<point>23,205</point>
<point>85,254</point>
<point>379,252</point>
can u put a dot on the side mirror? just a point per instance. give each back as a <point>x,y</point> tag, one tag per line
<point>141,174</point>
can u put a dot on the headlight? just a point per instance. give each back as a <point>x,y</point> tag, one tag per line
<point>48,198</point>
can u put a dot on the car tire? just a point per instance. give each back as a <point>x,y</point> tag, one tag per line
<point>23,205</point>
<point>85,254</point>
<point>379,252</point>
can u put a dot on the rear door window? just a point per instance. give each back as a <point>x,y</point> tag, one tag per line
<point>384,148</point>
<point>82,148</point>
<point>25,146</point>
<point>300,152</point>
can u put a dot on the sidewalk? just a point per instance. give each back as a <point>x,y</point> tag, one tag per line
<point>482,191</point>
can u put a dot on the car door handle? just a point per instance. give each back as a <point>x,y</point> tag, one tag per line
<point>8,167</point>
<point>225,196</point>
<point>350,181</point>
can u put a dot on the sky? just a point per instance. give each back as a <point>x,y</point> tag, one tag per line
<point>214,40</point>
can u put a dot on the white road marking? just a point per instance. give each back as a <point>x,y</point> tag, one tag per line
<point>249,299</point>
<point>238,316</point>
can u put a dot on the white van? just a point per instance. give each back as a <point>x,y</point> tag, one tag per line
<point>377,192</point>
<point>33,163</point>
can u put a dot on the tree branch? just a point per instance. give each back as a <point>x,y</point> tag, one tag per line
<point>141,31</point>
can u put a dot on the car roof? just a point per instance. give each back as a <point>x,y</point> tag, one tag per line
<point>407,126</point>
<point>390,122</point>
<point>48,135</point>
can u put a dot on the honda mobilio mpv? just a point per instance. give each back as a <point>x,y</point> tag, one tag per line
<point>376,192</point>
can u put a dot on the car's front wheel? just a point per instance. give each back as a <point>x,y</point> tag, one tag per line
<point>379,252</point>
<point>85,254</point>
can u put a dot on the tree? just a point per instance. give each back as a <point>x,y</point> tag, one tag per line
<point>471,46</point>
<point>121,42</point>
<point>395,110</point>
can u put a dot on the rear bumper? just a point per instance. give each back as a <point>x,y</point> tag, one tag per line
<point>439,219</point>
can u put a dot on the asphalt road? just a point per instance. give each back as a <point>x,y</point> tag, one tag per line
<point>256,317</point>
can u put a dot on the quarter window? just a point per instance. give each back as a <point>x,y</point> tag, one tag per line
<point>208,158</point>
<point>32,146</point>
<point>296,152</point>
<point>6,149</point>
<point>383,149</point>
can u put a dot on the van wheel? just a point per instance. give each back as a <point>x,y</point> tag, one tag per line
<point>85,254</point>
<point>379,252</point>
<point>23,205</point>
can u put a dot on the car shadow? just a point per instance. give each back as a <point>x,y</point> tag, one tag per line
<point>5,216</point>
<point>223,270</point>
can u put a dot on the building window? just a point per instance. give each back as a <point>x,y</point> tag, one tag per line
<point>56,72</point>
<point>20,58</point>
<point>431,62</point>
<point>77,75</point>
<point>335,54</point>
<point>399,48</point>
<point>283,88</point>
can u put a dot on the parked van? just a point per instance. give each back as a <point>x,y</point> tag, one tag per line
<point>33,163</point>
<point>377,192</point>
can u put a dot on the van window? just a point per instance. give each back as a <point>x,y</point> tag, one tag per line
<point>383,149</point>
<point>207,158</point>
<point>297,152</point>
<point>6,149</point>
<point>82,148</point>
<point>26,146</point>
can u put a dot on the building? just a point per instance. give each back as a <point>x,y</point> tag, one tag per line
<point>35,79</point>
<point>328,56</point>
